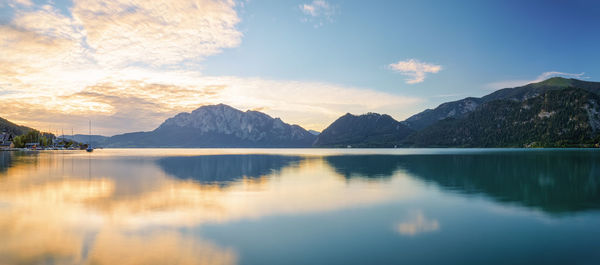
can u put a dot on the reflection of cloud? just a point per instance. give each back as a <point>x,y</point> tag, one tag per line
<point>29,239</point>
<point>114,247</point>
<point>416,225</point>
<point>52,221</point>
<point>188,203</point>
<point>135,215</point>
<point>64,191</point>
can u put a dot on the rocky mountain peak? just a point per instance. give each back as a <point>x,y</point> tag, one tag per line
<point>250,126</point>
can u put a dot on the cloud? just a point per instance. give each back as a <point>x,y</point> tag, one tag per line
<point>44,50</point>
<point>124,32</point>
<point>12,3</point>
<point>125,64</point>
<point>39,48</point>
<point>141,99</point>
<point>318,12</point>
<point>539,78</point>
<point>59,67</point>
<point>416,225</point>
<point>414,69</point>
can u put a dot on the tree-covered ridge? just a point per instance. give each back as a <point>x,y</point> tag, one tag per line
<point>23,135</point>
<point>12,128</point>
<point>556,118</point>
<point>367,130</point>
<point>459,108</point>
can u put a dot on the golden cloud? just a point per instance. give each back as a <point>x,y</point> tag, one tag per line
<point>123,32</point>
<point>120,64</point>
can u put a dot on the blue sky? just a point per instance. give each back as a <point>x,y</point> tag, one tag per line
<point>307,62</point>
<point>476,42</point>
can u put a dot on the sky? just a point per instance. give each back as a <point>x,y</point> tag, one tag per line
<point>127,65</point>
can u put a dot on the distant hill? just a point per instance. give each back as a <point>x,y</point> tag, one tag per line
<point>218,126</point>
<point>367,130</point>
<point>9,127</point>
<point>96,140</point>
<point>568,117</point>
<point>457,109</point>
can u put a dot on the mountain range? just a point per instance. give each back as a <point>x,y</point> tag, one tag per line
<point>218,126</point>
<point>556,112</point>
<point>555,118</point>
<point>457,109</point>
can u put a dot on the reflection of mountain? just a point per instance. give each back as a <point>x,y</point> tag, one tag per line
<point>224,168</point>
<point>553,181</point>
<point>366,166</point>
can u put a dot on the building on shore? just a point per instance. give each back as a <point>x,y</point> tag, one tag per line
<point>6,141</point>
<point>32,145</point>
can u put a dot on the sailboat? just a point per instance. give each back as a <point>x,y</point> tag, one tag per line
<point>89,147</point>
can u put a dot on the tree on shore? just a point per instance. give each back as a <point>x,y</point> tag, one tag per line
<point>33,136</point>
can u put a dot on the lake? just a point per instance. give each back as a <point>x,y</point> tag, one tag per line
<point>300,206</point>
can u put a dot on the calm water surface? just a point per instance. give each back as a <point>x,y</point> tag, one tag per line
<point>300,206</point>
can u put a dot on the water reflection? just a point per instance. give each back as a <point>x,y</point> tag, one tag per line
<point>8,159</point>
<point>63,209</point>
<point>364,166</point>
<point>223,169</point>
<point>418,223</point>
<point>553,181</point>
<point>74,208</point>
<point>67,208</point>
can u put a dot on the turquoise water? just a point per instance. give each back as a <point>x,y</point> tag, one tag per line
<point>300,206</point>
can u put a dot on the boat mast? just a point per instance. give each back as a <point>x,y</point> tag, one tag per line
<point>90,136</point>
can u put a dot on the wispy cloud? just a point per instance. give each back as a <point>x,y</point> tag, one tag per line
<point>318,12</point>
<point>539,78</point>
<point>18,2</point>
<point>414,69</point>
